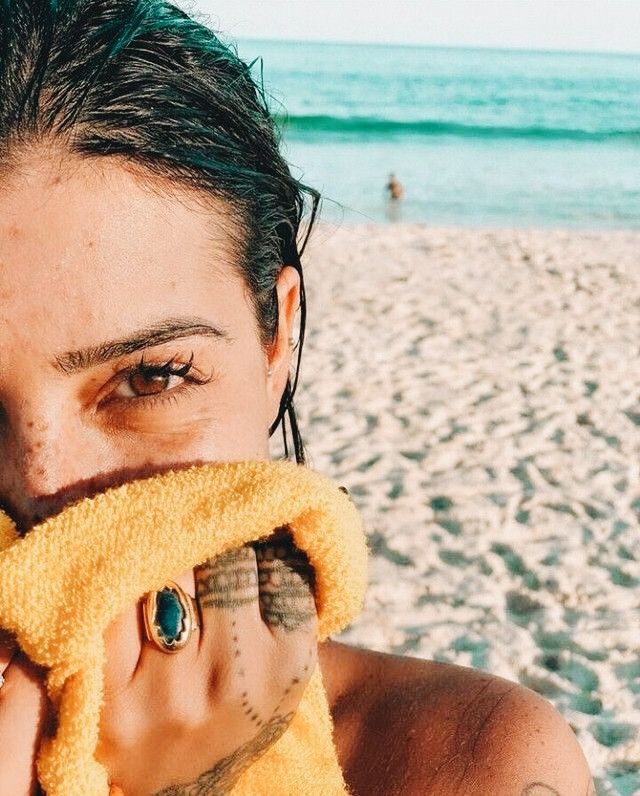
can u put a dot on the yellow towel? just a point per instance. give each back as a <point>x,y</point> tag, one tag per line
<point>63,583</point>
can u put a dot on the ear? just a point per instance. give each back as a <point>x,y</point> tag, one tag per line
<point>280,351</point>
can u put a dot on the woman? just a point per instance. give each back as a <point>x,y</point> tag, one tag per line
<point>150,277</point>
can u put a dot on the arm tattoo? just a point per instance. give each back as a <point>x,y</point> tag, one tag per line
<point>539,789</point>
<point>286,581</point>
<point>229,580</point>
<point>223,776</point>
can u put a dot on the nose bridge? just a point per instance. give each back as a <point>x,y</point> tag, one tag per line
<point>38,453</point>
<point>45,467</point>
<point>44,446</point>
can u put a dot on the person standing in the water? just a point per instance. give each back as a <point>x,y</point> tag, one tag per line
<point>394,187</point>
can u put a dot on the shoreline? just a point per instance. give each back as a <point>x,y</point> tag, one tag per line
<point>479,228</point>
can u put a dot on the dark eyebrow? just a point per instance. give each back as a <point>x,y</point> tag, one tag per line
<point>157,333</point>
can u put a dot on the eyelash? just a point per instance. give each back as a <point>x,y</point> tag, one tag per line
<point>150,369</point>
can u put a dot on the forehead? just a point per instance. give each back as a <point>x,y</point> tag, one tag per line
<point>95,244</point>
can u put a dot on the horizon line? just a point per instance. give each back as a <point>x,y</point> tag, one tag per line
<point>411,45</point>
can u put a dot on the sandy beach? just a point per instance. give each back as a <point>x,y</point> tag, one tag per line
<point>478,392</point>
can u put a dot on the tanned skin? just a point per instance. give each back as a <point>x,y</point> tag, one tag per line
<point>129,346</point>
<point>286,602</point>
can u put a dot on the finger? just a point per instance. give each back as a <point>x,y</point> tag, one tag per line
<point>149,650</point>
<point>125,639</point>
<point>227,596</point>
<point>8,648</point>
<point>123,645</point>
<point>285,583</point>
<point>25,707</point>
<point>235,642</point>
<point>137,670</point>
<point>228,582</point>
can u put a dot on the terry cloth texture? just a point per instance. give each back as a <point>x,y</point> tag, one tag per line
<point>64,582</point>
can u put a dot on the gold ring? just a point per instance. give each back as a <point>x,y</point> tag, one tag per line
<point>170,617</point>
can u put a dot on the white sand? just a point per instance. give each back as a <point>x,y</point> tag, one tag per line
<point>478,392</point>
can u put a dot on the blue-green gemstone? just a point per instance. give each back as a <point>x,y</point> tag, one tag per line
<point>169,615</point>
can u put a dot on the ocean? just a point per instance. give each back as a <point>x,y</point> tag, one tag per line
<point>476,137</point>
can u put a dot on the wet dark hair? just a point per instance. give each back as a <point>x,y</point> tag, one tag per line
<point>149,84</point>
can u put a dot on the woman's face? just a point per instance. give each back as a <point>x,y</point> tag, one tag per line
<point>97,272</point>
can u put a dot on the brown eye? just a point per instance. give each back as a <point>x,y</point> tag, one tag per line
<point>148,383</point>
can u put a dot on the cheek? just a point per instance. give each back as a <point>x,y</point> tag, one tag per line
<point>234,426</point>
<point>240,418</point>
<point>231,421</point>
<point>231,431</point>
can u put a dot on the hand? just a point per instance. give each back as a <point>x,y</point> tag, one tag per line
<point>24,716</point>
<point>193,721</point>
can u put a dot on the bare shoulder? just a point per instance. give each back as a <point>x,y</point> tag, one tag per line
<point>409,726</point>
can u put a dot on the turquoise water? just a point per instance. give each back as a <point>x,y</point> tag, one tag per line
<point>477,137</point>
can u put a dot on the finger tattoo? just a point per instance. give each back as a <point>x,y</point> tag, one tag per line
<point>285,583</point>
<point>229,580</point>
<point>296,680</point>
